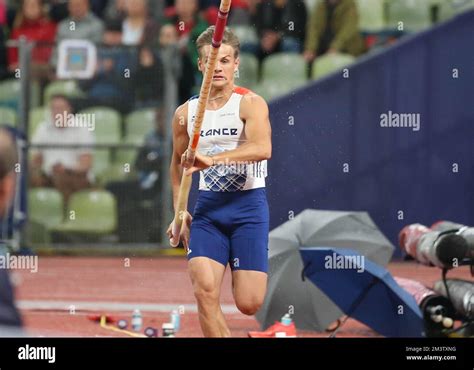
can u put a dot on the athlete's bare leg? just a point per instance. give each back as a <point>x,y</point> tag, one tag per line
<point>206,277</point>
<point>249,288</point>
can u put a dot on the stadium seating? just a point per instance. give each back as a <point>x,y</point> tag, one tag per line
<point>329,63</point>
<point>46,206</point>
<point>284,68</point>
<point>37,116</point>
<point>120,168</point>
<point>107,124</point>
<point>46,210</point>
<point>248,71</point>
<point>94,213</point>
<point>8,116</point>
<point>246,35</point>
<point>10,92</point>
<point>415,14</point>
<point>371,15</point>
<point>124,156</point>
<point>115,172</point>
<point>138,124</point>
<point>101,161</point>
<point>449,8</point>
<point>68,88</point>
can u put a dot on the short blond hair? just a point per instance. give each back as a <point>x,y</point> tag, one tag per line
<point>229,38</point>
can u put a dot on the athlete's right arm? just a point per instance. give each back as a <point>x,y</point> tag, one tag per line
<point>180,144</point>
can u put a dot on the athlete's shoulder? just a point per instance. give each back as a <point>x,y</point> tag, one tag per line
<point>247,94</point>
<point>253,106</point>
<point>249,97</point>
<point>182,111</point>
<point>250,100</point>
<point>242,90</point>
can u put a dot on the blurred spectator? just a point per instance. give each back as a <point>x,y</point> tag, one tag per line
<point>3,13</point>
<point>3,56</point>
<point>242,12</point>
<point>168,35</point>
<point>81,23</point>
<point>333,27</point>
<point>111,86</point>
<point>183,65</point>
<point>280,26</point>
<point>58,10</point>
<point>11,8</point>
<point>208,10</point>
<point>141,86</point>
<point>8,159</point>
<point>134,218</point>
<point>204,4</point>
<point>114,12</point>
<point>252,5</point>
<point>114,15</point>
<point>156,9</point>
<point>3,36</point>
<point>32,23</point>
<point>67,170</point>
<point>98,7</point>
<point>189,25</point>
<point>10,320</point>
<point>136,28</point>
<point>149,82</point>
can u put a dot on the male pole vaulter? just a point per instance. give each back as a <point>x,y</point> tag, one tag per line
<point>231,217</point>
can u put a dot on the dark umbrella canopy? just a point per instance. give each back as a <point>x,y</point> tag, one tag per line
<point>363,290</point>
<point>311,308</point>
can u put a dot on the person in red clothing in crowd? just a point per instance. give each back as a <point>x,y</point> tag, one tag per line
<point>209,9</point>
<point>32,22</point>
<point>3,50</point>
<point>3,13</point>
<point>189,24</point>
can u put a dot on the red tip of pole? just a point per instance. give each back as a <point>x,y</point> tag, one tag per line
<point>220,28</point>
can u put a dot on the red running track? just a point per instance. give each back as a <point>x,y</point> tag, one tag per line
<point>158,284</point>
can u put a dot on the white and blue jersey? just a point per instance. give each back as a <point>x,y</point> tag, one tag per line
<point>231,217</point>
<point>223,130</point>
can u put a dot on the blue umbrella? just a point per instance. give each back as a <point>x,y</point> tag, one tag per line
<point>363,290</point>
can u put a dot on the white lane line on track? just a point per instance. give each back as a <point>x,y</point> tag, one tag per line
<point>112,306</point>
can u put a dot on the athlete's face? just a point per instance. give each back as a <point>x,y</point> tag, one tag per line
<point>226,65</point>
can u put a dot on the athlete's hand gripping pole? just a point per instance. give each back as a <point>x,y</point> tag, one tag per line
<point>186,180</point>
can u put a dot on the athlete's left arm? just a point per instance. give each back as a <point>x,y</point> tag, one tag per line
<point>258,145</point>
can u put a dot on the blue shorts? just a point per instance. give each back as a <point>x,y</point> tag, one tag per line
<point>231,228</point>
